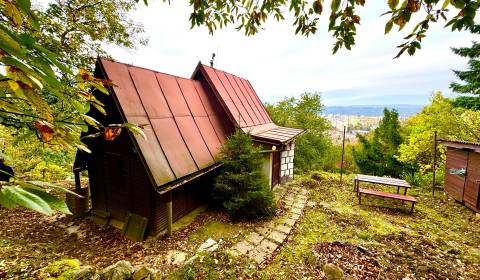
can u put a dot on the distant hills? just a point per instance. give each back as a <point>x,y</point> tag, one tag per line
<point>404,110</point>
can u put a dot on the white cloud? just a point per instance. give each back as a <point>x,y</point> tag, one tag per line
<point>279,63</point>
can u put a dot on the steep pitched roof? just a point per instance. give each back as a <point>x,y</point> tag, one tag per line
<point>184,130</point>
<point>244,107</point>
<point>184,119</point>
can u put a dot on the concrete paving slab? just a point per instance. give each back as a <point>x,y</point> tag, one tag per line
<point>254,238</point>
<point>277,236</point>
<point>267,246</point>
<point>284,229</point>
<point>243,247</point>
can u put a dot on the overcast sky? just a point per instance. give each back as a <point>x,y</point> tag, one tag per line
<point>279,63</point>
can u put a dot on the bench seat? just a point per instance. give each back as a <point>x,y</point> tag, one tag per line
<point>396,196</point>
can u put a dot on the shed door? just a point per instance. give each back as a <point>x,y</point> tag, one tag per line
<point>454,184</point>
<point>472,183</point>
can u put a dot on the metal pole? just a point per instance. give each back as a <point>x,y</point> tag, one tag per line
<point>343,152</point>
<point>434,161</point>
<point>169,213</point>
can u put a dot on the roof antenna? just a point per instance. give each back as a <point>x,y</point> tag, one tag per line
<point>211,60</point>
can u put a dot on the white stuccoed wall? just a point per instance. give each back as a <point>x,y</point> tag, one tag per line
<point>286,162</point>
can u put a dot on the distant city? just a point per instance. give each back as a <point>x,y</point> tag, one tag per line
<point>404,110</point>
<point>361,119</point>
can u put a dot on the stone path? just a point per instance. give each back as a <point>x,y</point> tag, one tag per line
<point>261,243</point>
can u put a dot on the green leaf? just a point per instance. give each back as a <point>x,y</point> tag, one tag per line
<point>335,5</point>
<point>393,4</point>
<point>91,121</point>
<point>135,129</point>
<point>52,186</point>
<point>52,201</point>
<point>5,201</point>
<point>411,50</point>
<point>24,6</point>
<point>388,26</point>
<point>99,108</point>
<point>445,4</point>
<point>9,44</point>
<point>26,199</point>
<point>401,52</point>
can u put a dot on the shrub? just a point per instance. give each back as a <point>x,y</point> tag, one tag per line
<point>413,178</point>
<point>241,188</point>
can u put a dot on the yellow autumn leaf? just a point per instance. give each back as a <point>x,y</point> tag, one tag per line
<point>13,13</point>
<point>13,85</point>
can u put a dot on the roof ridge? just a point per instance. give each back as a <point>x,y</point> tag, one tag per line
<point>144,68</point>
<point>224,71</point>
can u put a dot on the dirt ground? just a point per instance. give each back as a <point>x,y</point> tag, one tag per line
<point>30,241</point>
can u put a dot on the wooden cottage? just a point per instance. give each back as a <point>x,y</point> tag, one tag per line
<point>167,175</point>
<point>462,174</point>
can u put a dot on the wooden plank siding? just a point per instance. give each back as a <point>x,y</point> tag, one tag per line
<point>472,184</point>
<point>455,184</point>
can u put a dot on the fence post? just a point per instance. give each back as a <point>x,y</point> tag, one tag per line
<point>434,161</point>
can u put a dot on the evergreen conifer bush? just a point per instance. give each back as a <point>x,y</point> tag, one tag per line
<point>241,188</point>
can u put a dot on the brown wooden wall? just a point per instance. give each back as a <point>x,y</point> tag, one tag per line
<point>465,189</point>
<point>119,182</point>
<point>184,199</point>
<point>455,184</point>
<point>472,185</point>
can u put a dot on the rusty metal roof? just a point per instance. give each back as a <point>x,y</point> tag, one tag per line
<point>273,133</point>
<point>460,144</point>
<point>183,118</point>
<point>184,131</point>
<point>244,107</point>
<point>237,97</point>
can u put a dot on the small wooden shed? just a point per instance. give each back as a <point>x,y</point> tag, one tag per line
<point>462,172</point>
<point>186,121</point>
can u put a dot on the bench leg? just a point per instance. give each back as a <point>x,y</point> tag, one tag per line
<point>411,210</point>
<point>398,190</point>
<point>359,198</point>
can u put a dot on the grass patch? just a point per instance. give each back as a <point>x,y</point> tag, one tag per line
<point>439,240</point>
<point>188,219</point>
<point>218,265</point>
<point>216,230</point>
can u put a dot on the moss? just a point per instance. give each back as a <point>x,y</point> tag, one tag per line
<point>473,256</point>
<point>60,270</point>
<point>188,219</point>
<point>216,230</point>
<point>5,243</point>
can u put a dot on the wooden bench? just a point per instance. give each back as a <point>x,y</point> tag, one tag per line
<point>393,182</point>
<point>396,196</point>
